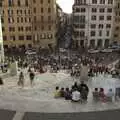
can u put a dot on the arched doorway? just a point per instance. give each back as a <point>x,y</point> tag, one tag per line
<point>99,43</point>
<point>107,43</point>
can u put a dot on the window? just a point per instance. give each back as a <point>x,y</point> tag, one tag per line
<point>42,28</point>
<point>2,19</point>
<point>101,17</point>
<point>100,33</point>
<point>21,19</point>
<point>94,1</point>
<point>42,18</point>
<point>12,37</point>
<point>82,26</point>
<point>110,1</point>
<point>102,1</point>
<point>118,5</point>
<point>41,1</point>
<point>25,12</point>
<point>6,46</point>
<point>93,25</point>
<point>28,37</point>
<point>83,9</point>
<point>18,20</point>
<point>101,10</point>
<point>20,29</point>
<point>26,2</point>
<point>109,17</point>
<point>82,33</point>
<point>109,10</point>
<point>35,19</point>
<point>0,3</point>
<point>18,2</point>
<point>4,38</point>
<point>11,29</point>
<point>35,28</point>
<point>81,18</point>
<point>115,35</point>
<point>108,26</point>
<point>20,11</point>
<point>49,10</point>
<point>28,11</point>
<point>93,17</point>
<point>10,3</point>
<point>3,12</point>
<point>49,27</point>
<point>21,37</point>
<point>41,10</point>
<point>77,9</point>
<point>101,26</point>
<point>10,12</point>
<point>49,1</point>
<point>117,28</point>
<point>29,19</point>
<point>34,1</point>
<point>92,33</point>
<point>3,29</point>
<point>10,20</point>
<point>94,10</point>
<point>34,10</point>
<point>107,33</point>
<point>49,18</point>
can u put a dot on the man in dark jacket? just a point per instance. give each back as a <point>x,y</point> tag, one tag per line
<point>83,86</point>
<point>31,75</point>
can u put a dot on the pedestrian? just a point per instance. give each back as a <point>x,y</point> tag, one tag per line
<point>21,79</point>
<point>1,81</point>
<point>31,75</point>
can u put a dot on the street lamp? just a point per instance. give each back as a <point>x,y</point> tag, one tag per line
<point>1,37</point>
<point>86,45</point>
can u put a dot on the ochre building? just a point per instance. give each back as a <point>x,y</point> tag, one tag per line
<point>29,23</point>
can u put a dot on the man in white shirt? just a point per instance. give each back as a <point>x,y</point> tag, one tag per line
<point>75,96</point>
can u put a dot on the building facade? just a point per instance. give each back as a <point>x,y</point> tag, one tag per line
<point>92,23</point>
<point>29,23</point>
<point>116,27</point>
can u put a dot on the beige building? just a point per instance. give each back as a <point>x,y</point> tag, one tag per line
<point>116,27</point>
<point>27,23</point>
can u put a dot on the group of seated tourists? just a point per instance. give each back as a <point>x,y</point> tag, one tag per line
<point>99,95</point>
<point>79,93</point>
<point>76,93</point>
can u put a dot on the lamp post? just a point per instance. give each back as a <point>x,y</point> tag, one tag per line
<point>1,37</point>
<point>86,45</point>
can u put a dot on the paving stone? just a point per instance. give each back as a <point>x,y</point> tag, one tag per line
<point>6,115</point>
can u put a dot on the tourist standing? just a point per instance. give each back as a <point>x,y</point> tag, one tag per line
<point>31,75</point>
<point>21,79</point>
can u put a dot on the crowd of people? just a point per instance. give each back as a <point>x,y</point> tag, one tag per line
<point>55,63</point>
